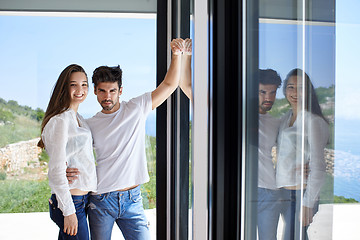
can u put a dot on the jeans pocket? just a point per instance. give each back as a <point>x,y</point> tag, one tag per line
<point>136,196</point>
<point>55,213</point>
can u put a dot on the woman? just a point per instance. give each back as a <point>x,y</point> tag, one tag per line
<point>300,169</point>
<point>68,142</point>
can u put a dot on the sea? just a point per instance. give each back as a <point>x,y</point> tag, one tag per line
<point>347,158</point>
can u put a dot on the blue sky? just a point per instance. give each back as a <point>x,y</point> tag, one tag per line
<point>36,49</point>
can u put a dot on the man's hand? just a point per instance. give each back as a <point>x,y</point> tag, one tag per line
<point>71,224</point>
<point>177,46</point>
<point>72,174</point>
<point>305,168</point>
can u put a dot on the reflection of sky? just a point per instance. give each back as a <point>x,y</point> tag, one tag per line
<point>280,48</point>
<point>34,50</point>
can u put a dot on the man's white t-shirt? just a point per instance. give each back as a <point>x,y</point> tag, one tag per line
<point>119,142</point>
<point>268,132</point>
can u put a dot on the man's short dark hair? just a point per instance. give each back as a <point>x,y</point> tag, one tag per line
<point>107,74</point>
<point>269,77</point>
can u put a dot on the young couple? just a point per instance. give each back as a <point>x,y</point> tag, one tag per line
<point>291,187</point>
<point>109,191</point>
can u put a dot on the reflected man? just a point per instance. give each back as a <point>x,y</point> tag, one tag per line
<point>269,206</point>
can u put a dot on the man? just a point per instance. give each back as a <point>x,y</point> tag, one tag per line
<point>269,205</point>
<point>119,141</point>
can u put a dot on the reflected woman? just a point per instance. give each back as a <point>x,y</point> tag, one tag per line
<point>303,135</point>
<point>68,141</point>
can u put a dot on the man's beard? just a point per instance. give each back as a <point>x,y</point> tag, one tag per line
<point>109,107</point>
<point>266,108</point>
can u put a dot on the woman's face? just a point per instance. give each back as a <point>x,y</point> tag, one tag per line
<point>294,92</point>
<point>78,88</point>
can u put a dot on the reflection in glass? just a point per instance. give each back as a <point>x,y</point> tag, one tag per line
<point>302,52</point>
<point>300,168</point>
<point>269,196</point>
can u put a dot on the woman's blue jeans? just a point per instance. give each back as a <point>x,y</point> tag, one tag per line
<point>292,224</point>
<point>81,203</point>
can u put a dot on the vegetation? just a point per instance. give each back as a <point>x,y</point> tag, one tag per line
<point>149,189</point>
<point>21,196</point>
<point>17,110</point>
<point>327,193</point>
<point>43,157</point>
<point>280,107</point>
<point>18,123</point>
<point>325,96</point>
<point>3,175</point>
<point>341,199</point>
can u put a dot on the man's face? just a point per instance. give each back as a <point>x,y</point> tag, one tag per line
<point>267,95</point>
<point>108,94</point>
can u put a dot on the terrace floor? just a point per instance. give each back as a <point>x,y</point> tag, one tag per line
<point>333,221</point>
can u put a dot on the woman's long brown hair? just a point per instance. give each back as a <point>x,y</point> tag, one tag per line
<point>311,101</point>
<point>60,97</point>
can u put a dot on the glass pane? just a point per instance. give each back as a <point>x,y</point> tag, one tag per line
<point>308,159</point>
<point>34,50</point>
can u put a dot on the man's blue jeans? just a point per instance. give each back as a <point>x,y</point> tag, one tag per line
<point>269,208</point>
<point>57,216</point>
<point>123,207</point>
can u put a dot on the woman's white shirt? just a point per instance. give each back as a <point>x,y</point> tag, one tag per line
<point>302,143</point>
<point>68,142</point>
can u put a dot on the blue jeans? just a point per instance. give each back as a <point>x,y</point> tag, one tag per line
<point>269,208</point>
<point>292,224</point>
<point>56,215</point>
<point>123,207</point>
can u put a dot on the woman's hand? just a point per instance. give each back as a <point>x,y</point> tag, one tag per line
<point>71,224</point>
<point>187,47</point>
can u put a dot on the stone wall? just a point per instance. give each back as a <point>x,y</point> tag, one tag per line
<point>14,157</point>
<point>329,157</point>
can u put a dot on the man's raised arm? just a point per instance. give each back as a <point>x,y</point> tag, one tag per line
<point>185,75</point>
<point>172,78</point>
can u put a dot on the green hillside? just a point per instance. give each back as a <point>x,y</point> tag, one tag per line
<point>326,97</point>
<point>18,123</point>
